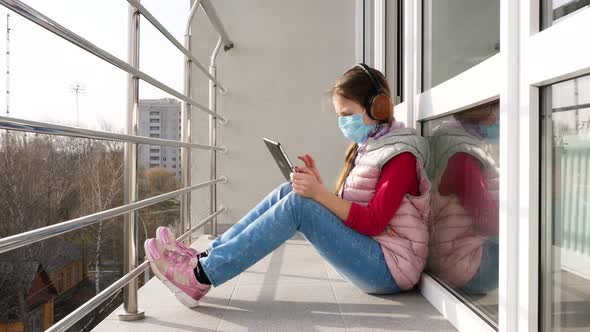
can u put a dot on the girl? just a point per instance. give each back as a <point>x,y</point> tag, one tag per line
<point>464,238</point>
<point>372,229</point>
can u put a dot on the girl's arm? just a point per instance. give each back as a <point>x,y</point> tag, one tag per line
<point>307,185</point>
<point>463,177</point>
<point>398,177</point>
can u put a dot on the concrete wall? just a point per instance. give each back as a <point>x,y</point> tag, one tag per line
<point>286,55</point>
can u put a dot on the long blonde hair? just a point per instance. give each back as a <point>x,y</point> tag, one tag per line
<point>355,85</point>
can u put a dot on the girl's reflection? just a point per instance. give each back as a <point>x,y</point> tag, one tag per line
<point>464,215</point>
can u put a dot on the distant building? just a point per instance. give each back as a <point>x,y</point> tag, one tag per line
<point>38,292</point>
<point>159,118</point>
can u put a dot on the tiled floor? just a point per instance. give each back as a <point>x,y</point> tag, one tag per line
<point>292,289</point>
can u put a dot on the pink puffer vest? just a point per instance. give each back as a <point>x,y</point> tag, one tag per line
<point>405,240</point>
<point>455,246</point>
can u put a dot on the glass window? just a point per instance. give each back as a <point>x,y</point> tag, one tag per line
<point>154,128</point>
<point>395,48</point>
<point>154,120</point>
<point>457,35</point>
<point>464,212</point>
<point>154,113</point>
<point>565,208</point>
<point>556,10</point>
<point>154,150</point>
<point>400,51</point>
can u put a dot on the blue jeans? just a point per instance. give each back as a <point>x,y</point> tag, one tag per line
<point>486,278</point>
<point>357,257</point>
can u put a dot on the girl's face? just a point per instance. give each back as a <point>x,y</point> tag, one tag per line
<point>346,107</point>
<point>491,118</point>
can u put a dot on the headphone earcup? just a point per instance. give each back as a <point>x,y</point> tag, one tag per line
<point>381,107</point>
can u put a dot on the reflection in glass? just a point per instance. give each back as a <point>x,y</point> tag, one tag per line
<point>457,35</point>
<point>464,211</point>
<point>565,228</point>
<point>557,10</point>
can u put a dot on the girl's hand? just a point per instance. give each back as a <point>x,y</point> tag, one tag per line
<point>311,165</point>
<point>306,184</point>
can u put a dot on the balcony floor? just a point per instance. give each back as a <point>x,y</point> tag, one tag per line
<point>292,289</point>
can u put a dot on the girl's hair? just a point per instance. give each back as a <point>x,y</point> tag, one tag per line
<point>476,115</point>
<point>356,85</point>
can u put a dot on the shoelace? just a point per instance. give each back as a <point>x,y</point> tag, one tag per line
<point>176,257</point>
<point>184,247</point>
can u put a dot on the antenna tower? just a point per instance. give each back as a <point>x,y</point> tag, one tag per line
<point>8,64</point>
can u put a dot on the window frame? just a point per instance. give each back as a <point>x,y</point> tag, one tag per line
<point>525,64</point>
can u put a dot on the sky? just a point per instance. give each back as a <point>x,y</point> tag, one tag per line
<point>44,67</point>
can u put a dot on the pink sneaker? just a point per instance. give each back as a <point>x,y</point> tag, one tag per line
<point>168,239</point>
<point>176,271</point>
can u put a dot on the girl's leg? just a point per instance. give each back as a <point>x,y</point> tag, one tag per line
<point>486,278</point>
<point>358,257</point>
<point>271,199</point>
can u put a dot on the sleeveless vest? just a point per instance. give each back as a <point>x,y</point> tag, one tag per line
<point>455,246</point>
<point>405,239</point>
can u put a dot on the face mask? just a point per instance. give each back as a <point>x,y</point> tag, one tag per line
<point>492,133</point>
<point>354,128</point>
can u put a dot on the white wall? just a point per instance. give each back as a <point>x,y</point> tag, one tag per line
<point>286,55</point>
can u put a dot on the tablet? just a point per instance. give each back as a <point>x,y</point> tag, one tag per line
<point>277,152</point>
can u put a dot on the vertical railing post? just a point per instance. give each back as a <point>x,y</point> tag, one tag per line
<point>130,305</point>
<point>213,139</point>
<point>185,135</point>
<point>213,153</point>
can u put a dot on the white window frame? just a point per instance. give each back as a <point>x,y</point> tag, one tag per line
<point>529,59</point>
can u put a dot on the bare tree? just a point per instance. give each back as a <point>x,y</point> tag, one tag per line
<point>101,188</point>
<point>34,187</point>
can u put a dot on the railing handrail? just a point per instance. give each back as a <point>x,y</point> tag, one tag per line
<point>99,298</point>
<point>216,22</point>
<point>30,126</point>
<point>42,20</point>
<point>33,236</point>
<point>129,281</point>
<point>146,13</point>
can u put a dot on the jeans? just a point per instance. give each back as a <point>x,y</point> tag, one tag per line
<point>486,278</point>
<point>357,257</point>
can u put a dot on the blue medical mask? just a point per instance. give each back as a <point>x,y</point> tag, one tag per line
<point>354,128</point>
<point>492,132</point>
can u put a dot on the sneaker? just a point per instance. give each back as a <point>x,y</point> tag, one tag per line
<point>176,271</point>
<point>168,239</point>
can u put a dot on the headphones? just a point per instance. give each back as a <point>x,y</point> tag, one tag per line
<point>378,105</point>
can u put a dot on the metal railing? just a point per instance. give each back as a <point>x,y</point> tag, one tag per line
<point>131,139</point>
<point>26,238</point>
<point>10,123</point>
